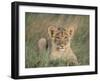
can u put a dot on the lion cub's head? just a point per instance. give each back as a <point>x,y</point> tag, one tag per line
<point>60,37</point>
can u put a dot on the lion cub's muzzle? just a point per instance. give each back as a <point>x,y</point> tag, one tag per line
<point>61,47</point>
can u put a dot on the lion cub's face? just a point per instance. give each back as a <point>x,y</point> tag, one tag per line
<point>60,37</point>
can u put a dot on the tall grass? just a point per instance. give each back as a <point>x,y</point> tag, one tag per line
<point>36,25</point>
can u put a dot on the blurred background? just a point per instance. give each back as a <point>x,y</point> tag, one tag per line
<point>36,25</point>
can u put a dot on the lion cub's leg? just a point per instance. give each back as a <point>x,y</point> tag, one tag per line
<point>72,60</point>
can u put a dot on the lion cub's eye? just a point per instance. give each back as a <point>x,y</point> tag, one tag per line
<point>66,37</point>
<point>57,37</point>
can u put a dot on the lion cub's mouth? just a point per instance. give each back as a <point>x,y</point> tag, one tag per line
<point>61,49</point>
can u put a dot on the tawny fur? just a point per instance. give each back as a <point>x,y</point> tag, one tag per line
<point>42,45</point>
<point>66,55</point>
<point>61,38</point>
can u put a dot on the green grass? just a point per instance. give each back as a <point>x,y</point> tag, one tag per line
<point>36,25</point>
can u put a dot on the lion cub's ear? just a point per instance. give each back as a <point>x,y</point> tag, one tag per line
<point>70,31</point>
<point>52,30</point>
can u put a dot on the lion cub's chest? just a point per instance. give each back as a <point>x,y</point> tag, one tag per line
<point>61,54</point>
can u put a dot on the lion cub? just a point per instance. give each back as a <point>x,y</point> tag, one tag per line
<point>60,41</point>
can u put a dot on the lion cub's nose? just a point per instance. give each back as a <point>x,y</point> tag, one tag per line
<point>62,46</point>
